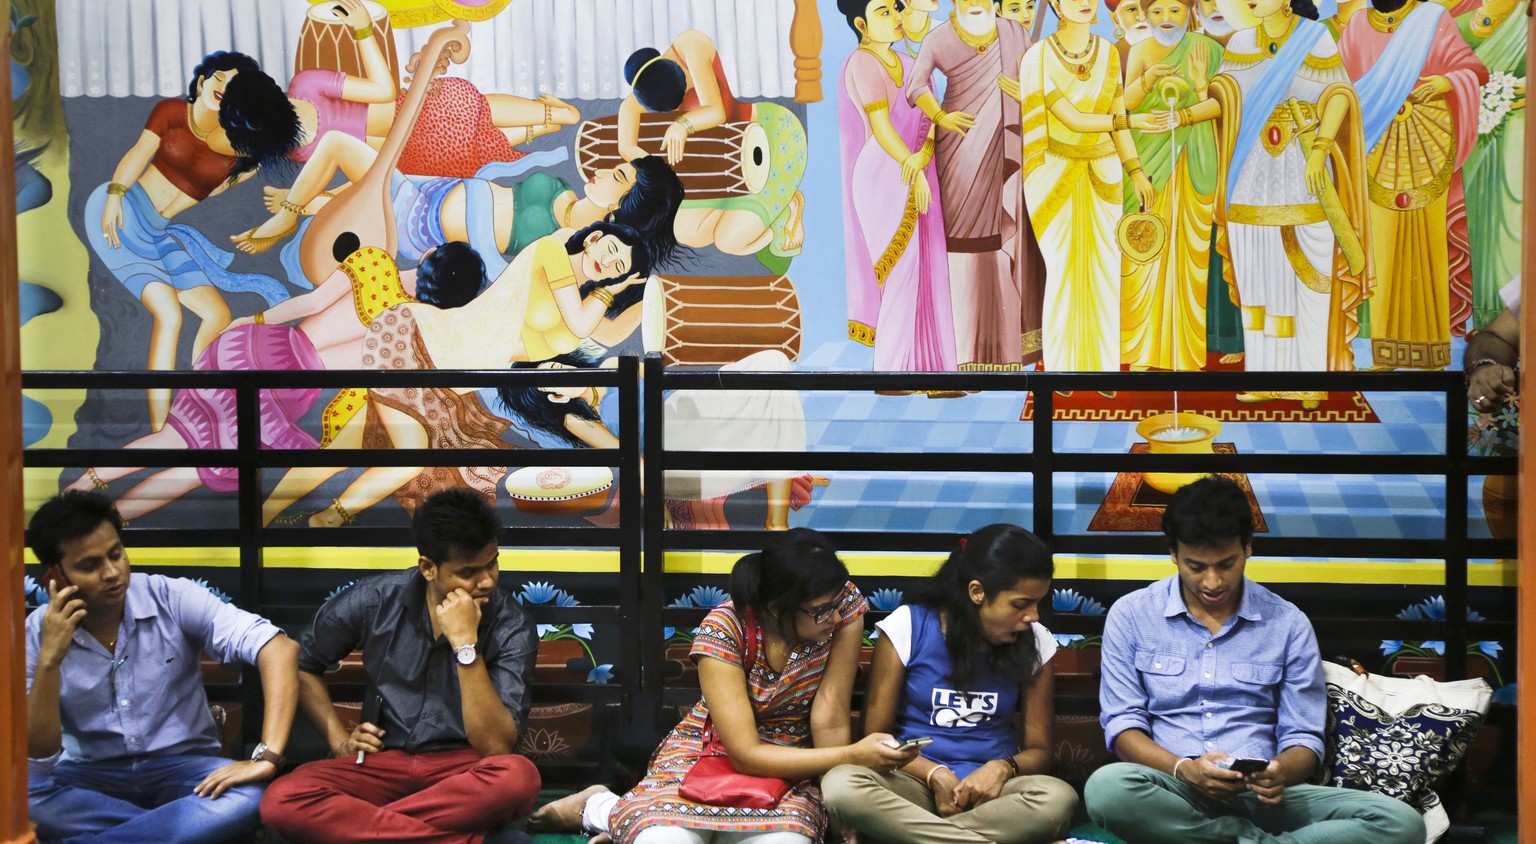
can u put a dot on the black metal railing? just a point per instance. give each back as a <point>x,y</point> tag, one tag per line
<point>643,540</point>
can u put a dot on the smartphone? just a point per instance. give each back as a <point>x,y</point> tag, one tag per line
<point>911,743</point>
<point>54,576</point>
<point>1248,765</point>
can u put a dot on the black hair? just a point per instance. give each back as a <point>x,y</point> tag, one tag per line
<point>855,9</point>
<point>260,122</point>
<point>662,86</point>
<point>792,568</point>
<point>640,264</point>
<point>535,408</point>
<point>451,275</point>
<point>650,207</point>
<point>998,557</point>
<point>68,516</point>
<point>1305,8</point>
<point>1208,513</point>
<point>215,62</point>
<point>454,524</point>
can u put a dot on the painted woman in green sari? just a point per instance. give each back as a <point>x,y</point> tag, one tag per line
<point>1494,171</point>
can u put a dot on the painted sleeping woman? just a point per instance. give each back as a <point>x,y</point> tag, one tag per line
<point>688,80</point>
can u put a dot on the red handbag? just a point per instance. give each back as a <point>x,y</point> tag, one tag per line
<point>713,780</point>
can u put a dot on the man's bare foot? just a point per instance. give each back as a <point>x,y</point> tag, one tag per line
<point>600,838</point>
<point>1235,357</point>
<point>563,815</point>
<point>1254,398</point>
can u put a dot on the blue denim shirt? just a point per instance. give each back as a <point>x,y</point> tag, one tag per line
<point>1253,689</point>
<point>146,698</point>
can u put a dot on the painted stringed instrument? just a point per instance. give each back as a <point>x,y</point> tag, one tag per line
<point>363,214</point>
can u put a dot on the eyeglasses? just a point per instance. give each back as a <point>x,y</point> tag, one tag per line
<point>823,613</point>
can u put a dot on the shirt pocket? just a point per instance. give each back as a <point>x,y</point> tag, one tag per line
<point>1161,674</point>
<point>1256,681</point>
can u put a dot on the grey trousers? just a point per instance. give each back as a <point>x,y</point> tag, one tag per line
<point>897,807</point>
<point>1145,806</point>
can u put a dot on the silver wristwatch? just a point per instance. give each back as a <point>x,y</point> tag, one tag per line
<point>465,654</point>
<point>262,753</point>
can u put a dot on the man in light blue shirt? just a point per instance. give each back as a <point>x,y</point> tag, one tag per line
<point>121,744</point>
<point>1212,695</point>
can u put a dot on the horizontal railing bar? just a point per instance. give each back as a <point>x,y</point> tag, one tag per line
<point>288,458</point>
<point>1063,381</point>
<point>272,379</point>
<point>909,461</point>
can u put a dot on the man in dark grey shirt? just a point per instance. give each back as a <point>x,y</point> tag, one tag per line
<point>448,657</point>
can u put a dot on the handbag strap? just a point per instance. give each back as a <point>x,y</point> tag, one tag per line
<point>711,744</point>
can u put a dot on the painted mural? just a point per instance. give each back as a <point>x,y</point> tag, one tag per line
<point>928,185</point>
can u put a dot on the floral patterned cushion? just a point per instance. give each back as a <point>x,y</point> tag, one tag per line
<point>1401,755</point>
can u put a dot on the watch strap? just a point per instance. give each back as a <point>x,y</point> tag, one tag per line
<point>267,754</point>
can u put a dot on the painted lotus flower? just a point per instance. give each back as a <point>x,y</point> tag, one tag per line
<point>709,596</point>
<point>338,590</point>
<point>885,600</point>
<point>601,674</point>
<point>217,592</point>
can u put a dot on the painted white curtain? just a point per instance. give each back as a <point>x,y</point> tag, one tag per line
<point>569,48</point>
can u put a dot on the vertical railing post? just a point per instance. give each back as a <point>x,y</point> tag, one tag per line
<point>1044,485</point>
<point>1455,527</point>
<point>654,588</point>
<point>632,610</point>
<point>248,429</point>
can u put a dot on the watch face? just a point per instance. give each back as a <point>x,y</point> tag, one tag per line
<point>465,655</point>
<point>257,754</point>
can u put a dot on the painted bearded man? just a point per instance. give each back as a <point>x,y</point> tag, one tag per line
<point>995,270</point>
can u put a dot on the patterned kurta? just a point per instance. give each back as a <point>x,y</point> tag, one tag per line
<point>782,703</point>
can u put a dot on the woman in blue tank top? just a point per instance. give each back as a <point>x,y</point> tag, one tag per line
<point>957,665</point>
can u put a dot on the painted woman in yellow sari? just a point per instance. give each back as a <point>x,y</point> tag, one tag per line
<point>1075,142</point>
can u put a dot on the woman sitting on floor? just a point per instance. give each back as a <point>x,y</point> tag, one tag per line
<point>957,665</point>
<point>776,666</point>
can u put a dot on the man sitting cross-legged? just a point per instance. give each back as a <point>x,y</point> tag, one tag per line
<point>1204,669</point>
<point>448,657</point>
<point>122,745</point>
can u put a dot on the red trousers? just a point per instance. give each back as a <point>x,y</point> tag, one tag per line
<point>431,798</point>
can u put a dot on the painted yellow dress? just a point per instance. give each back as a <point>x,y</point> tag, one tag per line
<point>1072,184</point>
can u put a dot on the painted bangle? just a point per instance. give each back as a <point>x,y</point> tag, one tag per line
<point>363,34</point>
<point>117,189</point>
<point>260,318</point>
<point>602,295</point>
<point>686,124</point>
<point>1120,121</point>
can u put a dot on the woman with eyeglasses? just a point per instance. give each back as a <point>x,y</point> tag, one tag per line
<point>957,665</point>
<point>776,666</point>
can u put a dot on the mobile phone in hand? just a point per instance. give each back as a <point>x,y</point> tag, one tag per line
<point>911,743</point>
<point>1248,765</point>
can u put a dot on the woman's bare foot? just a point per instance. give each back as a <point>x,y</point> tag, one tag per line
<point>268,234</point>
<point>272,197</point>
<point>563,815</point>
<point>794,227</point>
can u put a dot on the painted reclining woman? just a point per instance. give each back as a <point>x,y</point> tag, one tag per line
<point>688,78</point>
<point>776,668</point>
<point>958,664</point>
<point>499,218</point>
<point>560,291</point>
<point>332,320</point>
<point>459,131</point>
<point>233,121</point>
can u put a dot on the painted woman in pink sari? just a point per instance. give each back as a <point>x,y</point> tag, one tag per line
<point>898,275</point>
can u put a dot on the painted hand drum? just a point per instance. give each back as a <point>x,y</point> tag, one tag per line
<point>716,320</point>
<point>733,159</point>
<point>327,43</point>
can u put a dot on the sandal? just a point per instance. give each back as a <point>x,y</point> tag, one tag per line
<point>259,245</point>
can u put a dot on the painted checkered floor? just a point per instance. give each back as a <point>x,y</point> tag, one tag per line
<point>1295,505</point>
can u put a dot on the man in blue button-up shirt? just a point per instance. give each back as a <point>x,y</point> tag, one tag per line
<point>1206,668</point>
<point>121,743</point>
